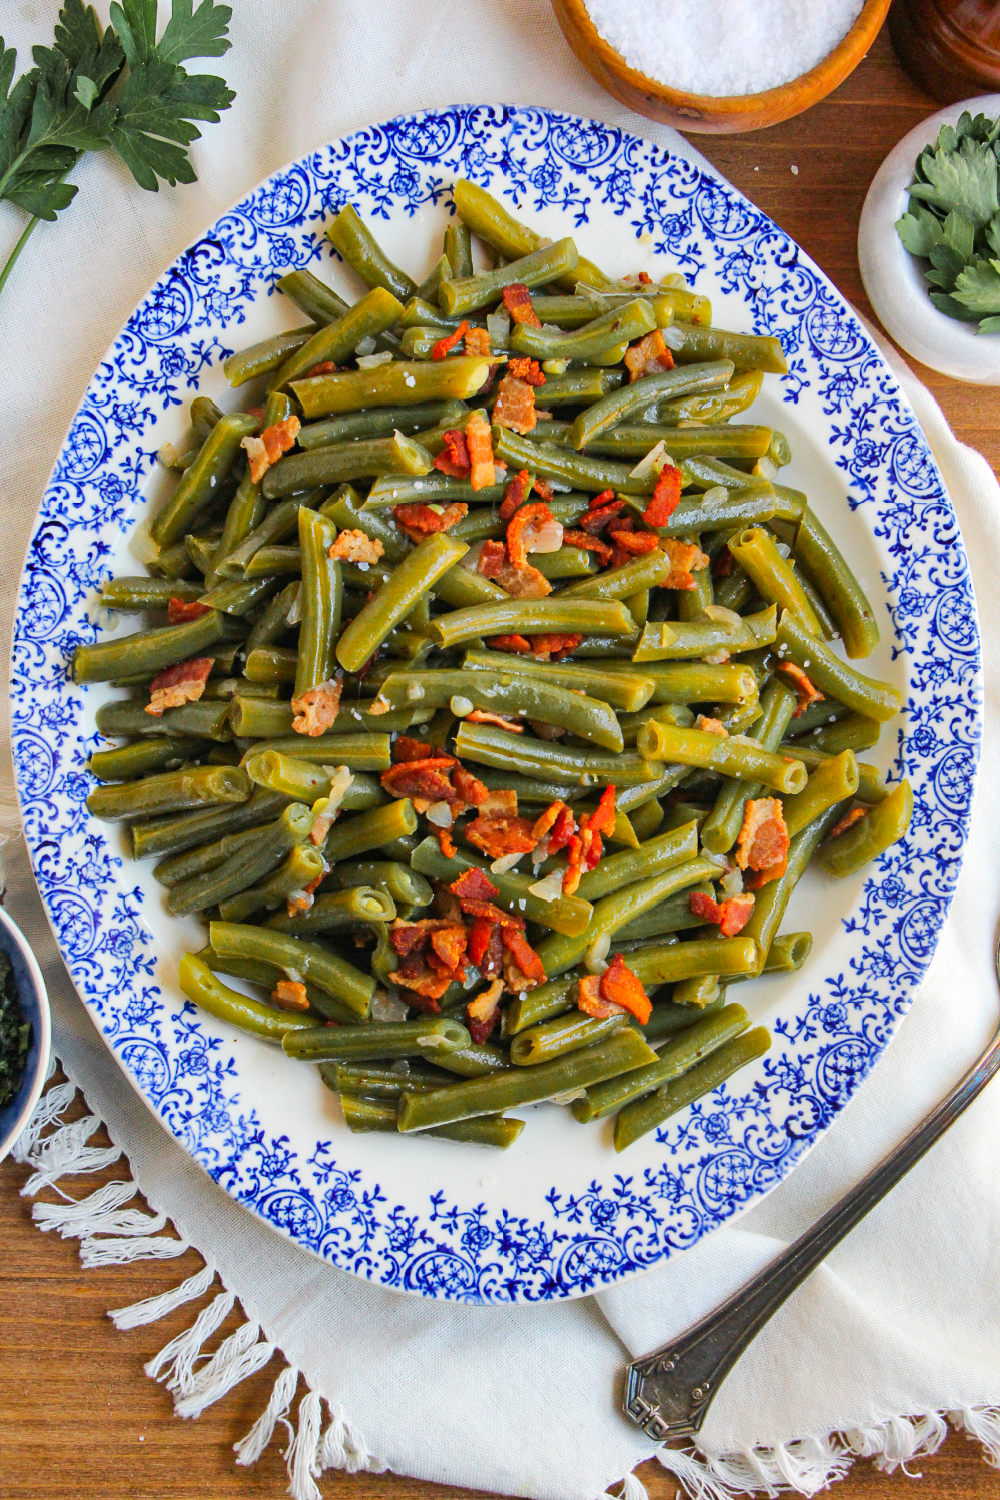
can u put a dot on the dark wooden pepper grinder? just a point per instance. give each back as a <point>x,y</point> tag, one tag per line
<point>950,47</point>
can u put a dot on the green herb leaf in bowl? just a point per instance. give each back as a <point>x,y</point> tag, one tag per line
<point>953,221</point>
<point>15,1034</point>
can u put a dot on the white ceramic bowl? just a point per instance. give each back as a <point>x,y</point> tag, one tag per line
<point>893,277</point>
<point>35,1006</point>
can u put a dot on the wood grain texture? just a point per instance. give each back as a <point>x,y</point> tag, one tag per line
<point>77,1415</point>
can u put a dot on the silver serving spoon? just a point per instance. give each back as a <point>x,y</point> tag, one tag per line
<point>669,1391</point>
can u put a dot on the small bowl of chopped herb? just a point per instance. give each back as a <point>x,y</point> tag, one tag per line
<point>929,242</point>
<point>25,1032</point>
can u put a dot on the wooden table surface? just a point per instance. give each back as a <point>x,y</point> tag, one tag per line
<point>77,1415</point>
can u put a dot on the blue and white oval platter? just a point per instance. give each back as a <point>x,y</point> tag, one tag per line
<point>559,1215</point>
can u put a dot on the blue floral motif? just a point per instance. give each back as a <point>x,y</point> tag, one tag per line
<point>726,1149</point>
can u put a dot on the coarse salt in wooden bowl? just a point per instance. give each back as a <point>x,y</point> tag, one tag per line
<point>706,112</point>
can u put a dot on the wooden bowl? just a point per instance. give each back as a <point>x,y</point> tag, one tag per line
<point>705,112</point>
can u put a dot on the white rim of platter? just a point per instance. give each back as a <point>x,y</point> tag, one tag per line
<point>559,1215</point>
<point>893,278</point>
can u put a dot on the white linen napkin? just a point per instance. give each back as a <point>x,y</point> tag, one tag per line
<point>902,1321</point>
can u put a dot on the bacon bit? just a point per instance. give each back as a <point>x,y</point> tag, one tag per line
<point>428,985</point>
<point>847,821</point>
<point>290,995</point>
<point>491,965</point>
<point>606,497</point>
<point>183,683</point>
<point>454,456</point>
<point>603,816</point>
<point>543,489</point>
<point>524,583</point>
<point>528,370</point>
<point>411,937</point>
<point>265,450</point>
<point>501,803</point>
<point>722,564</point>
<point>419,520</point>
<point>479,939</point>
<point>446,841</point>
<point>444,346</point>
<point>544,824</point>
<point>764,877</point>
<point>563,831</point>
<point>450,943</point>
<point>686,558</point>
<point>635,542</point>
<point>316,710</point>
<point>356,547</point>
<point>588,543</point>
<point>763,839</point>
<point>515,405</point>
<point>479,441</point>
<point>482,716</point>
<point>729,916</point>
<point>406,748</point>
<point>805,691</point>
<point>483,1012</point>
<point>666,497</point>
<point>180,611</point>
<point>421,778</point>
<point>498,837</point>
<point>621,987</point>
<point>477,341</point>
<point>648,356</point>
<point>473,885</point>
<point>554,647</point>
<point>517,301</point>
<point>473,908</point>
<point>708,725</point>
<point>301,901</point>
<point>590,1000</point>
<point>321,824</point>
<point>471,791</point>
<point>492,558</point>
<point>515,643</point>
<point>598,516</point>
<point>527,960</point>
<point>703,905</point>
<point>517,491</point>
<point>325,367</point>
<point>537,513</point>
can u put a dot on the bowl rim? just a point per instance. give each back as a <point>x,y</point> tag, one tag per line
<point>825,75</point>
<point>34,1092</point>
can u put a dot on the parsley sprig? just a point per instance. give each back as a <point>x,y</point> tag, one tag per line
<point>954,220</point>
<point>112,88</point>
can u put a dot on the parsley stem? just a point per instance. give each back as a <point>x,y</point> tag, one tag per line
<point>12,257</point>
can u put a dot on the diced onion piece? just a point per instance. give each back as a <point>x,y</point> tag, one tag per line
<point>721,615</point>
<point>568,1096</point>
<point>414,693</point>
<point>546,537</point>
<point>341,780</point>
<point>555,366</point>
<point>718,860</point>
<point>386,1007</point>
<point>549,888</point>
<point>717,495</point>
<point>766,467</point>
<point>168,455</point>
<point>646,465</point>
<point>596,957</point>
<point>371,361</point>
<point>365,346</point>
<point>693,422</point>
<point>717,658</point>
<point>461,706</point>
<point>731,883</point>
<point>440,814</point>
<point>504,863</point>
<point>783,549</point>
<point>498,328</point>
<point>591,294</point>
<point>673,336</point>
<point>294,616</point>
<point>559,488</point>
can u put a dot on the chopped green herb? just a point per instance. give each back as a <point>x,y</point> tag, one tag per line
<point>15,1034</point>
<point>954,220</point>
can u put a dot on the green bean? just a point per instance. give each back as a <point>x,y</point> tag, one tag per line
<point>568,1033</point>
<point>354,240</point>
<point>370,830</point>
<point>729,508</point>
<point>787,953</point>
<point>707,473</point>
<point>672,915</point>
<point>722,826</point>
<point>380,423</point>
<point>504,751</point>
<point>690,344</point>
<point>298,779</point>
<point>567,562</point>
<point>247,507</point>
<point>723,441</point>
<point>171,562</point>
<point>463,295</point>
<point>435,489</point>
<point>854,732</point>
<point>640,394</point>
<point>475,1061</point>
<point>169,835</point>
<point>791,503</point>
<point>873,833</point>
<point>280,522</point>
<point>273,622</point>
<point>380,1081</point>
<point>686,640</point>
<point>566,466</point>
<point>702,990</point>
<point>199,985</point>
<point>758,556</point>
<point>377,311</point>
<point>237,597</point>
<point>440,271</point>
<point>646,820</point>
<point>300,961</point>
<point>532,616</point>
<point>426,1037</point>
<point>588,718</point>
<point>576,387</point>
<point>566,914</point>
<point>817,716</point>
<point>302,865</point>
<point>618,326</point>
<point>715,406</point>
<point>256,971</point>
<point>251,863</point>
<point>265,356</point>
<point>644,572</point>
<point>620,689</point>
<point>271,665</point>
<point>488,218</point>
<point>410,579</point>
<point>149,651</point>
<point>401,383</point>
<point>838,587</point>
<point>875,700</point>
<point>170,792</point>
<point>321,599</point>
<point>826,621</point>
<point>133,595</point>
<point>529,790</point>
<point>685,682</point>
<point>617,870</point>
<point>336,462</point>
<point>359,752</point>
<point>179,867</point>
<point>871,783</point>
<point>615,911</point>
<point>731,755</point>
<point>392,876</point>
<point>615,1054</point>
<point>667,1019</point>
<point>204,416</point>
<point>201,480</point>
<point>644,1115</point>
<point>694,1044</point>
<point>312,296</point>
<point>334,910</point>
<point>420,342</point>
<point>257,718</point>
<point>490,1130</point>
<point>832,782</point>
<point>130,761</point>
<point>458,248</point>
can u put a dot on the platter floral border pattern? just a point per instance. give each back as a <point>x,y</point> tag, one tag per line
<point>733,1145</point>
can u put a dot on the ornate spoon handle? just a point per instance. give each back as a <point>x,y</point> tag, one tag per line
<point>669,1391</point>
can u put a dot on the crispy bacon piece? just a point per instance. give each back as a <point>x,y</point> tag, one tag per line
<point>763,839</point>
<point>265,450</point>
<point>450,944</point>
<point>356,547</point>
<point>316,710</point>
<point>603,816</point>
<point>621,987</point>
<point>526,369</point>
<point>479,441</point>
<point>517,491</point>
<point>425,983</point>
<point>730,916</point>
<point>758,878</point>
<point>524,583</point>
<point>180,611</point>
<point>666,497</point>
<point>543,488</point>
<point>477,341</point>
<point>500,803</point>
<point>517,644</point>
<point>483,716</point>
<point>479,939</point>
<point>421,778</point>
<point>410,937</point>
<point>498,837</point>
<point>474,908</point>
<point>183,683</point>
<point>544,824</point>
<point>847,821</point>
<point>597,516</point>
<point>635,542</point>
<point>523,954</point>
<point>517,301</point>
<point>554,647</point>
<point>325,367</point>
<point>473,885</point>
<point>483,1012</point>
<point>444,346</point>
<point>471,791</point>
<point>419,520</point>
<point>703,905</point>
<point>805,691</point>
<point>454,456</point>
<point>491,965</point>
<point>563,831</point>
<point>589,543</point>
<point>492,558</point>
<point>709,725</point>
<point>302,900</point>
<point>648,356</point>
<point>405,748</point>
<point>515,405</point>
<point>446,841</point>
<point>289,994</point>
<point>590,1000</point>
<point>686,559</point>
<point>536,514</point>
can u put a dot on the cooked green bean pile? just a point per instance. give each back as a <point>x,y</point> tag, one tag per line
<point>488,711</point>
